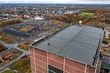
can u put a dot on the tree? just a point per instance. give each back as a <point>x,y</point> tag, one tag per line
<point>2,47</point>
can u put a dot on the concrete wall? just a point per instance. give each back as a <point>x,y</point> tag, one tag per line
<point>41,59</point>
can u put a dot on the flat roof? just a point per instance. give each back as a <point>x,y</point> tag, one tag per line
<point>75,42</point>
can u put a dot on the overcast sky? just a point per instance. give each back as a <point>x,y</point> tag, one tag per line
<point>58,1</point>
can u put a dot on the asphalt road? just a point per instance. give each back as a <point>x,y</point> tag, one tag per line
<point>6,65</point>
<point>24,52</point>
<point>13,46</point>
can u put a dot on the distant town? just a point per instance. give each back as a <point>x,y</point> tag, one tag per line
<point>54,38</point>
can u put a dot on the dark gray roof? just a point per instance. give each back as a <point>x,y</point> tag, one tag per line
<point>75,42</point>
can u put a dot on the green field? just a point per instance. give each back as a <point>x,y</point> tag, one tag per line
<point>87,14</point>
<point>9,71</point>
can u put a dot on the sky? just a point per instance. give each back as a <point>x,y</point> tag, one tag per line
<point>58,1</point>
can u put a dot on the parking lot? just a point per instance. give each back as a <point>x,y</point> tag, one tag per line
<point>29,28</point>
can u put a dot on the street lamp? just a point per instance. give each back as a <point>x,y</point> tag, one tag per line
<point>80,22</point>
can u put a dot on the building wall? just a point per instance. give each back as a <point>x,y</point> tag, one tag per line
<point>41,59</point>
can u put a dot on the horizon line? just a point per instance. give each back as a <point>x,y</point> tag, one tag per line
<point>48,3</point>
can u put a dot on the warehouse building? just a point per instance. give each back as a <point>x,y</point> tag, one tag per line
<point>75,49</point>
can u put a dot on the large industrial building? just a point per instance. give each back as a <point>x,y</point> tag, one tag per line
<point>75,49</point>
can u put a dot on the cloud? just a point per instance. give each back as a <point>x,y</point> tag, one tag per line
<point>38,1</point>
<point>95,1</point>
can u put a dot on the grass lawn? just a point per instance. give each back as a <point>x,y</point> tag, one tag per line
<point>9,71</point>
<point>22,66</point>
<point>87,14</point>
<point>24,45</point>
<point>8,38</point>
